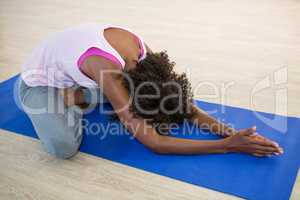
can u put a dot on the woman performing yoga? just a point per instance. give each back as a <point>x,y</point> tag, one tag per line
<point>98,63</point>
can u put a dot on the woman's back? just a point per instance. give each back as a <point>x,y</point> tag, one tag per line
<point>56,61</point>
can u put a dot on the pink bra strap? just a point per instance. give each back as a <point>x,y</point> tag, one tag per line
<point>94,51</point>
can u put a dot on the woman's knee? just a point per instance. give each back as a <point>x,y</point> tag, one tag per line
<point>60,132</point>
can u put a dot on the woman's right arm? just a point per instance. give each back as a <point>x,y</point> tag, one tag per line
<point>104,73</point>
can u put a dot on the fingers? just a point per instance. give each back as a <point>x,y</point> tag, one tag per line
<point>255,144</point>
<point>261,155</point>
<point>267,149</point>
<point>262,141</point>
<point>264,154</point>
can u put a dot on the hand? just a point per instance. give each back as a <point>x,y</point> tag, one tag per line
<point>229,132</point>
<point>248,141</point>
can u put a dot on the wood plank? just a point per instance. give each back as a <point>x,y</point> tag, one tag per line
<point>221,42</point>
<point>28,172</point>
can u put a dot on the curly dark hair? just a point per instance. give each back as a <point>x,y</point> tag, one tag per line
<point>158,93</point>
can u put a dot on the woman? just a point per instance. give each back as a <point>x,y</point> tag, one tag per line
<point>97,63</point>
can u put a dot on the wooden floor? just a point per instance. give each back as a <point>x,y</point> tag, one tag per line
<point>228,47</point>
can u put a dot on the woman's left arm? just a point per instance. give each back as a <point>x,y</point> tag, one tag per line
<point>205,121</point>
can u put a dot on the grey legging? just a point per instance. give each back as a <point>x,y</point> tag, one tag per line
<point>58,126</point>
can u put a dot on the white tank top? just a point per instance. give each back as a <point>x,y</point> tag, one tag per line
<point>54,62</point>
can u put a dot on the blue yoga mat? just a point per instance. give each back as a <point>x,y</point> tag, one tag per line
<point>238,174</point>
